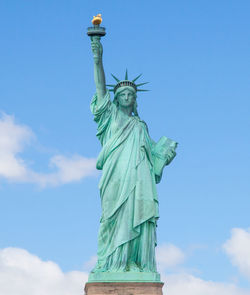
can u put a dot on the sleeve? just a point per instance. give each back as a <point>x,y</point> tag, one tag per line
<point>102,112</point>
<point>163,152</point>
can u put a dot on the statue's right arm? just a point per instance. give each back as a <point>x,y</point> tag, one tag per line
<point>99,75</point>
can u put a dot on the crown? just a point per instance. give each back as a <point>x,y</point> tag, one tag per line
<point>126,82</point>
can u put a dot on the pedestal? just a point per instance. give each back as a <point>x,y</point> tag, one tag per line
<point>128,288</point>
<point>126,276</point>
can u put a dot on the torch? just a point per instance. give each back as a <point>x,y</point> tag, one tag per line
<point>96,30</point>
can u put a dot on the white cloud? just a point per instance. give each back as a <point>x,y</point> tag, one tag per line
<point>25,274</point>
<point>13,139</point>
<point>168,256</point>
<point>67,170</point>
<point>190,285</point>
<point>90,264</point>
<point>238,249</point>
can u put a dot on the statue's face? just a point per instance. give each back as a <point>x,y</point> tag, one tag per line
<point>126,97</point>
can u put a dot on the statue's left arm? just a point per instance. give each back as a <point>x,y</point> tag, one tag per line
<point>163,153</point>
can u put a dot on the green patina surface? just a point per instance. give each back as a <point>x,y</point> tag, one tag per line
<point>127,276</point>
<point>131,164</point>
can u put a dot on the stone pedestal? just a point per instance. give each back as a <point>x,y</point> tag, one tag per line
<point>125,288</point>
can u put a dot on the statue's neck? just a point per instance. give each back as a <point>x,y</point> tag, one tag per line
<point>125,111</point>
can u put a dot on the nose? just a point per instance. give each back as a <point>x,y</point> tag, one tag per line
<point>126,96</point>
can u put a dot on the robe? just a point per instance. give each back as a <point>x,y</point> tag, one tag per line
<point>131,164</point>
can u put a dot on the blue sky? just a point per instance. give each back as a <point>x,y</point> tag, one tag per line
<point>195,54</point>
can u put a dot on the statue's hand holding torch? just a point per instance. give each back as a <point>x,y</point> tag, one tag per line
<point>95,33</point>
<point>97,49</point>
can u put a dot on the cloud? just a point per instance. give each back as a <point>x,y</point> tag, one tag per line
<point>90,264</point>
<point>67,170</point>
<point>13,139</point>
<point>190,285</point>
<point>168,256</point>
<point>23,273</point>
<point>238,249</point>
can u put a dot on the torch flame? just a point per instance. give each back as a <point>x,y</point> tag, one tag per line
<point>97,20</point>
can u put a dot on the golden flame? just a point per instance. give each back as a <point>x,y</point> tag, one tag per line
<point>97,20</point>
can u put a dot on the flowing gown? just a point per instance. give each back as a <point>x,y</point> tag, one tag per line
<point>131,164</point>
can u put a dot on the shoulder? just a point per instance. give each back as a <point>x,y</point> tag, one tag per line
<point>142,123</point>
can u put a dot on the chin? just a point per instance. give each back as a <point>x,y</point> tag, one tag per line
<point>129,104</point>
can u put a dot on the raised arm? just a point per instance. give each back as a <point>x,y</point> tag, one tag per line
<point>99,74</point>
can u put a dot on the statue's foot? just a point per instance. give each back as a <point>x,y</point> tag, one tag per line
<point>133,267</point>
<point>98,268</point>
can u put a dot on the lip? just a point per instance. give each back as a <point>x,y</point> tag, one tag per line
<point>126,102</point>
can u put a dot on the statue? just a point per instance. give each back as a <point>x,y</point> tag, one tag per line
<point>132,165</point>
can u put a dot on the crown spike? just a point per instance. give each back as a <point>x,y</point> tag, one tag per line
<point>126,75</point>
<point>117,80</point>
<point>137,85</point>
<point>126,82</point>
<point>136,78</point>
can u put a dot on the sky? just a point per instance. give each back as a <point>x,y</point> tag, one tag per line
<point>195,54</point>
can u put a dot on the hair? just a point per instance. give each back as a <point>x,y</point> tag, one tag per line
<point>121,89</point>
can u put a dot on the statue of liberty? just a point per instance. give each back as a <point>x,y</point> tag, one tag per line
<point>132,165</point>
